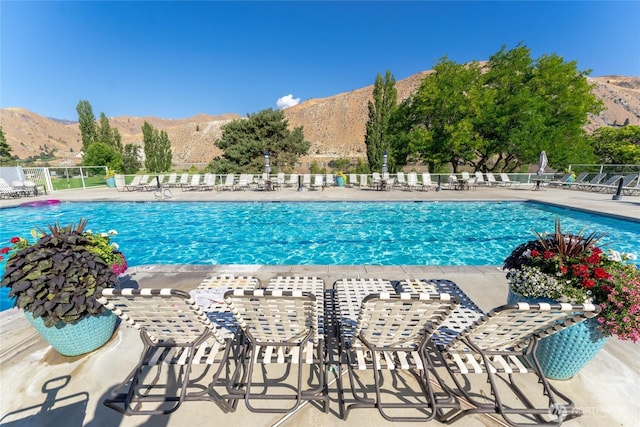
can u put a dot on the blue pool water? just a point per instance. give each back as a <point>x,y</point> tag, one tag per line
<point>317,233</point>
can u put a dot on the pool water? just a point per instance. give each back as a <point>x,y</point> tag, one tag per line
<point>319,233</point>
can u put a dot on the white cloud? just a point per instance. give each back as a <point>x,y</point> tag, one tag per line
<point>287,101</point>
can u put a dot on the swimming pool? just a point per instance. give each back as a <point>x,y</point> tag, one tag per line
<point>319,233</point>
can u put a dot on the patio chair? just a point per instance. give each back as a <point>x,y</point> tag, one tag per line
<point>387,332</point>
<point>175,332</point>
<point>184,180</point>
<point>135,183</point>
<point>330,180</point>
<point>208,183</point>
<point>209,295</point>
<point>7,191</point>
<point>632,190</point>
<point>488,359</point>
<point>563,180</point>
<point>480,178</point>
<point>412,181</point>
<point>228,184</point>
<point>279,332</point>
<point>353,180</point>
<point>364,178</point>
<point>293,180</point>
<point>578,181</point>
<point>194,183</point>
<point>401,180</point>
<point>586,185</point>
<point>426,183</point>
<point>491,179</point>
<point>610,183</point>
<point>506,181</point>
<point>318,182</point>
<point>172,182</point>
<point>306,180</point>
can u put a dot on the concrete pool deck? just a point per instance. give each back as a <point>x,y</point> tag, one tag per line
<point>40,387</point>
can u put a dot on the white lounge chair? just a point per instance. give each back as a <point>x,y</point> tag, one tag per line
<point>506,181</point>
<point>480,178</point>
<point>7,191</point>
<point>176,335</point>
<point>194,183</point>
<point>364,181</point>
<point>318,182</point>
<point>172,182</point>
<point>277,328</point>
<point>385,334</point>
<point>401,180</point>
<point>134,184</point>
<point>426,183</point>
<point>491,179</point>
<point>293,180</point>
<point>499,349</point>
<point>412,181</point>
<point>229,182</point>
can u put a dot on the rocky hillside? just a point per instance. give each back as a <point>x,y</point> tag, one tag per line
<point>335,125</point>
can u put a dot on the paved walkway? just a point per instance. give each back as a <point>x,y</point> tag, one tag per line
<point>40,387</point>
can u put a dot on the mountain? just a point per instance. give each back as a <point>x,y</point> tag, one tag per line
<point>335,126</point>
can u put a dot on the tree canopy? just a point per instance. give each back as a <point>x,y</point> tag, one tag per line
<point>244,142</point>
<point>101,154</point>
<point>497,116</point>
<point>617,145</point>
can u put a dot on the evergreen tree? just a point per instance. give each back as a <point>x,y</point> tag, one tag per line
<point>87,123</point>
<point>385,97</point>
<point>244,142</point>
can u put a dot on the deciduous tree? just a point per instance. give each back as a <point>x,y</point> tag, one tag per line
<point>87,123</point>
<point>617,145</point>
<point>157,149</point>
<point>385,99</point>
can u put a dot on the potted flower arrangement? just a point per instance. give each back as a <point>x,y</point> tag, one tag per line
<point>55,279</point>
<point>571,268</point>
<point>110,178</point>
<point>341,179</point>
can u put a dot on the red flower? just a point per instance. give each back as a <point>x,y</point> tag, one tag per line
<point>534,253</point>
<point>594,259</point>
<point>600,273</point>
<point>563,269</point>
<point>15,240</point>
<point>5,250</point>
<point>580,270</point>
<point>547,254</point>
<point>596,250</point>
<point>588,283</point>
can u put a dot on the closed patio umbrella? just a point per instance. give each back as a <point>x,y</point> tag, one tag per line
<point>542,163</point>
<point>267,167</point>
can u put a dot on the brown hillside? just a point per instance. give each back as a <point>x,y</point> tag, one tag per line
<point>335,126</point>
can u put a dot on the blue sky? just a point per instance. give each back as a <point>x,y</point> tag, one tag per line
<point>178,59</point>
